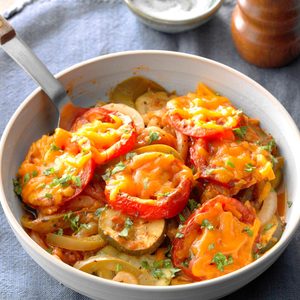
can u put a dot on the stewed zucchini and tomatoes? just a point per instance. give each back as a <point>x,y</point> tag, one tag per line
<point>153,188</point>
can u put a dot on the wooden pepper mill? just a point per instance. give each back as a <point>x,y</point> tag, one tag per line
<point>266,33</point>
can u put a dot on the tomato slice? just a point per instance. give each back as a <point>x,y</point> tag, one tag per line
<point>111,133</point>
<point>151,185</point>
<point>203,114</point>
<point>236,165</point>
<point>56,169</point>
<point>216,239</point>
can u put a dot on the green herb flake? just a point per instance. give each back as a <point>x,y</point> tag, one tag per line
<point>146,183</point>
<point>145,265</point>
<point>222,261</point>
<point>106,175</point>
<point>230,163</point>
<point>153,136</point>
<point>157,273</point>
<point>240,132</point>
<point>127,225</point>
<point>17,187</point>
<point>26,178</point>
<point>165,194</point>
<point>60,231</point>
<point>206,224</point>
<point>289,203</point>
<point>48,195</point>
<point>268,227</point>
<point>181,218</point>
<point>167,263</point>
<point>49,171</point>
<point>119,268</point>
<point>118,168</point>
<point>248,231</point>
<point>99,211</point>
<point>41,186</point>
<point>49,250</point>
<point>270,146</point>
<point>249,168</point>
<point>185,263</point>
<point>174,271</point>
<point>211,246</point>
<point>34,173</point>
<point>256,256</point>
<point>54,147</point>
<point>73,220</point>
<point>130,155</point>
<point>192,204</point>
<point>76,180</point>
<point>179,235</point>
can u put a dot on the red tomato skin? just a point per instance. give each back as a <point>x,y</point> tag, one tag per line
<point>167,207</point>
<point>180,246</point>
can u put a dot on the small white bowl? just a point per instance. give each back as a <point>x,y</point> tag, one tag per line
<point>90,81</point>
<point>174,26</point>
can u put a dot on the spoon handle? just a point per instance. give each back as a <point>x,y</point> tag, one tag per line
<point>23,55</point>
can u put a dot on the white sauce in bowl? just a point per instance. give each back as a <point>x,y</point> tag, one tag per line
<point>173,10</point>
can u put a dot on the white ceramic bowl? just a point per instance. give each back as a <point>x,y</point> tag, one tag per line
<point>91,80</point>
<point>173,25</point>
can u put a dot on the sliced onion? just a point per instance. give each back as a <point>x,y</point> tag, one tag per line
<point>129,111</point>
<point>268,208</point>
<point>74,243</point>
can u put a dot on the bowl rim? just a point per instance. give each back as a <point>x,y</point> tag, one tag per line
<point>25,238</point>
<point>189,21</point>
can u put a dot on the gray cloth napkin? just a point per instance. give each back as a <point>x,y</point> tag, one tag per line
<point>65,32</point>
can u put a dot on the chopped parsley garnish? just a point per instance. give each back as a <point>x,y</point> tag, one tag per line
<point>289,203</point>
<point>146,183</point>
<point>222,261</point>
<point>269,147</point>
<point>130,155</point>
<point>54,147</point>
<point>248,231</point>
<point>179,235</point>
<point>185,263</point>
<point>211,246</point>
<point>76,180</point>
<point>41,186</point>
<point>181,218</point>
<point>26,178</point>
<point>106,175</point>
<point>268,227</point>
<point>60,231</point>
<point>249,167</point>
<point>17,187</point>
<point>166,194</point>
<point>73,220</point>
<point>34,173</point>
<point>240,132</point>
<point>192,204</point>
<point>256,256</point>
<point>153,136</point>
<point>99,211</point>
<point>158,267</point>
<point>127,225</point>
<point>48,195</point>
<point>119,268</point>
<point>119,167</point>
<point>230,163</point>
<point>49,171</point>
<point>206,224</point>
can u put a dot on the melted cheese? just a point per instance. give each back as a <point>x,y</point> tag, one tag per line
<point>228,237</point>
<point>149,176</point>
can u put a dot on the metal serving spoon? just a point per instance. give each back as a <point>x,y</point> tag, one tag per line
<point>24,56</point>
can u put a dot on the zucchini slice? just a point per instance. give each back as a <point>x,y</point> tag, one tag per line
<point>139,238</point>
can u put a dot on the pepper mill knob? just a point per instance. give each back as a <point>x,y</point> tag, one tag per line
<point>266,33</point>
